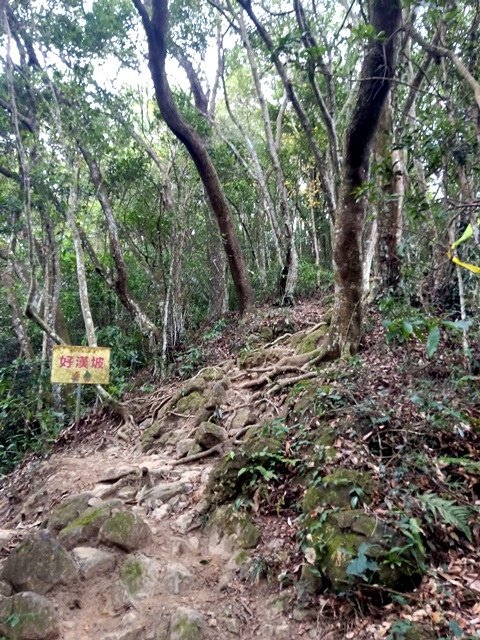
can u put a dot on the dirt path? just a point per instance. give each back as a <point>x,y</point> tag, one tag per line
<point>192,567</point>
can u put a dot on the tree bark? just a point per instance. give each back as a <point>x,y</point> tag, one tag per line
<point>156,29</point>
<point>377,71</point>
<point>120,282</point>
<point>288,279</point>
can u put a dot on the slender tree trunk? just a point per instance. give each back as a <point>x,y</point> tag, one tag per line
<point>377,71</point>
<point>289,274</point>
<point>302,115</point>
<point>16,311</point>
<point>72,206</point>
<point>218,291</point>
<point>390,210</point>
<point>156,30</point>
<point>120,282</point>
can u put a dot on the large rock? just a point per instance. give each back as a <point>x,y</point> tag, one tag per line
<point>177,578</point>
<point>93,562</point>
<point>242,418</point>
<point>356,549</point>
<point>85,527</point>
<point>237,527</point>
<point>163,492</point>
<point>38,564</point>
<point>186,624</point>
<point>68,510</point>
<point>236,472</point>
<point>126,530</point>
<point>344,488</point>
<point>138,579</point>
<point>28,616</point>
<point>209,434</point>
<point>186,447</point>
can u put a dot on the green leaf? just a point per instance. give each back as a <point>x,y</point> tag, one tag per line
<point>433,340</point>
<point>361,565</point>
<point>448,511</point>
<point>407,328</point>
<point>455,629</point>
<point>458,325</point>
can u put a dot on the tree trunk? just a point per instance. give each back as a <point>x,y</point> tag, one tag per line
<point>288,279</point>
<point>390,208</point>
<point>377,71</point>
<point>120,282</point>
<point>156,30</point>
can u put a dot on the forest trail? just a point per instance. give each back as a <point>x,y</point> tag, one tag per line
<point>196,576</point>
<point>189,567</point>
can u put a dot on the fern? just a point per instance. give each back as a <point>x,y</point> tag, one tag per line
<point>448,511</point>
<point>467,463</point>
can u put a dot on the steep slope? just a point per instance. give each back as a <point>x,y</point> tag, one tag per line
<point>281,500</point>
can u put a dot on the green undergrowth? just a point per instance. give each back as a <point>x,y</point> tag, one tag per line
<point>375,464</point>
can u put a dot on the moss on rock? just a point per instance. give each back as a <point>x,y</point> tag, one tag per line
<point>28,616</point>
<point>68,510</point>
<point>85,527</point>
<point>38,564</point>
<point>229,522</point>
<point>354,549</point>
<point>344,488</point>
<point>186,624</point>
<point>191,403</point>
<point>234,473</point>
<point>306,343</point>
<point>125,530</point>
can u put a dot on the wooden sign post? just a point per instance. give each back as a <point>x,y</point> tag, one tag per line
<point>80,365</point>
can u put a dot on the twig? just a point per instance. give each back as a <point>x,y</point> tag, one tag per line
<point>179,415</point>
<point>434,572</point>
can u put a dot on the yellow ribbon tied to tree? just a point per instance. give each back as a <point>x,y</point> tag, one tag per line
<point>466,235</point>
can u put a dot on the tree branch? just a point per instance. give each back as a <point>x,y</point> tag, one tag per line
<point>436,50</point>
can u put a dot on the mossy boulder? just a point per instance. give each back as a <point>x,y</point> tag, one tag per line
<point>138,577</point>
<point>68,510</point>
<point>85,527</point>
<point>239,525</point>
<point>209,434</point>
<point>235,473</point>
<point>190,403</point>
<point>310,341</point>
<point>186,624</point>
<point>242,418</point>
<point>251,359</point>
<point>354,548</point>
<point>310,399</point>
<point>39,564</point>
<point>216,394</point>
<point>126,530</point>
<point>344,488</point>
<point>212,373</point>
<point>28,616</point>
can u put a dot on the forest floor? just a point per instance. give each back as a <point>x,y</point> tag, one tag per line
<point>411,421</point>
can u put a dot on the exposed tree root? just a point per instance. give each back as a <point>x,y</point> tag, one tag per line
<point>218,448</point>
<point>282,338</point>
<point>288,382</point>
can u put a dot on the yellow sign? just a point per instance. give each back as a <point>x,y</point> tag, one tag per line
<point>80,365</point>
